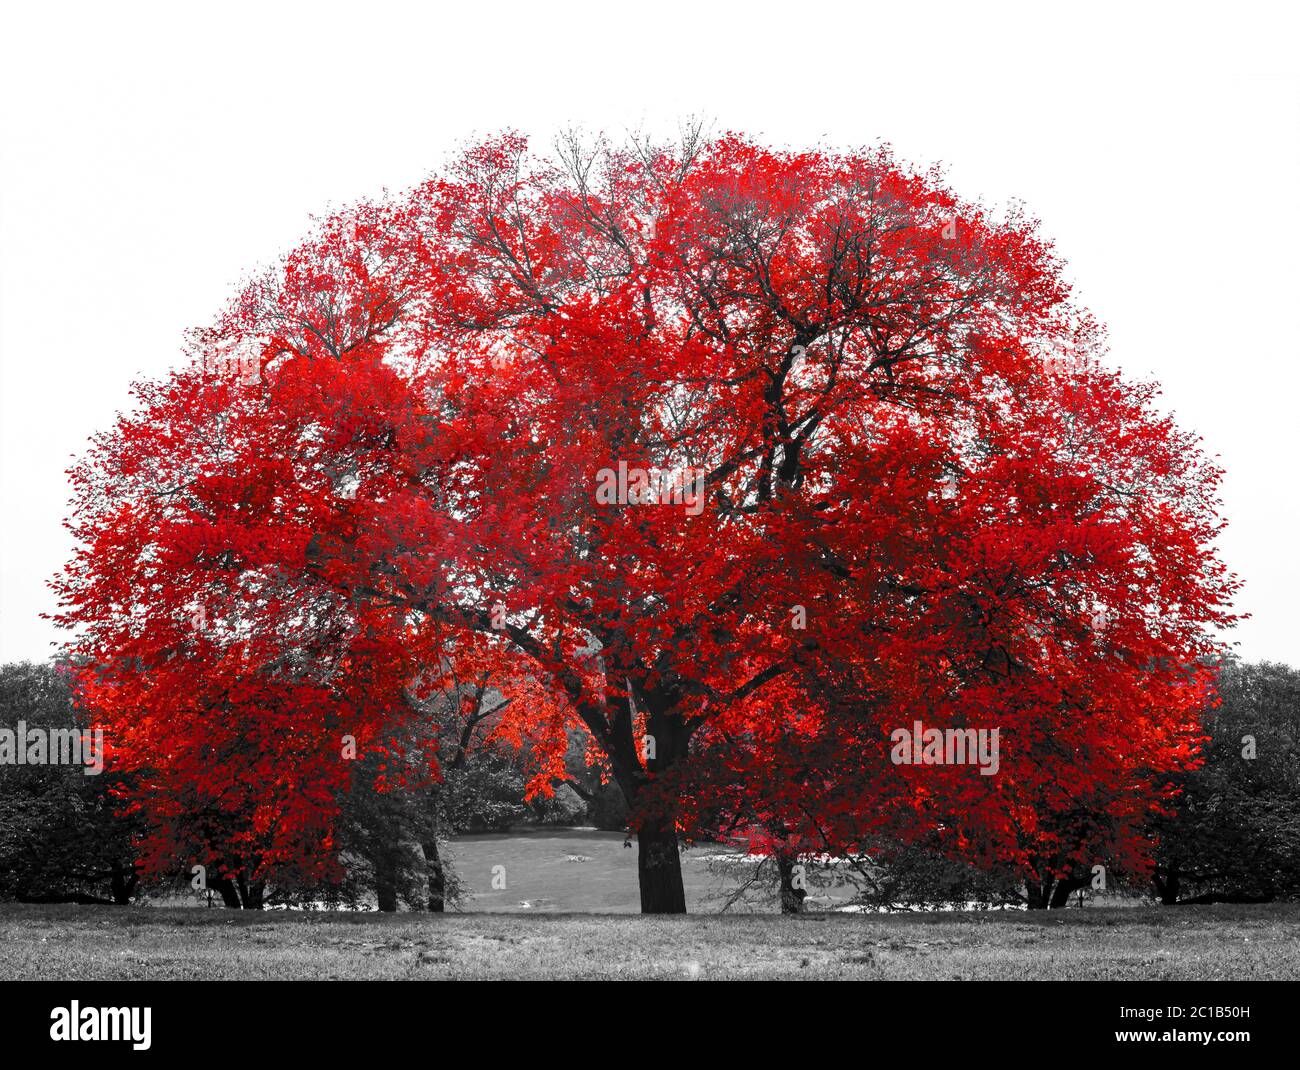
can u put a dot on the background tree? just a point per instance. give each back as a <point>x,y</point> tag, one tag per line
<point>60,837</point>
<point>1232,832</point>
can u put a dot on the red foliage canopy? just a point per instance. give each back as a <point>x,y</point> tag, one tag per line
<point>746,458</point>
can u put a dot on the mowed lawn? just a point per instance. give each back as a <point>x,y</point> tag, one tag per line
<point>93,943</point>
<point>580,871</point>
<point>557,870</point>
<point>568,909</point>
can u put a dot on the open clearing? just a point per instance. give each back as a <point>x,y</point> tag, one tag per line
<point>581,871</point>
<point>165,943</point>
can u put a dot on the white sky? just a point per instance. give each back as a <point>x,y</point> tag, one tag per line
<point>151,157</point>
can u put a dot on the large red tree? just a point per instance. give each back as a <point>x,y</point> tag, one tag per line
<point>709,441</point>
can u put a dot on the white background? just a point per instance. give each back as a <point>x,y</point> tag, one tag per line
<point>154,155</point>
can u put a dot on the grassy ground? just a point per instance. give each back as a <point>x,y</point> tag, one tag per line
<point>568,909</point>
<point>579,871</point>
<point>1193,943</point>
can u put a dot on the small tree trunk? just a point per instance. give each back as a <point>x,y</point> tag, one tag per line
<point>1168,888</point>
<point>386,880</point>
<point>437,878</point>
<point>791,897</point>
<point>123,883</point>
<point>659,868</point>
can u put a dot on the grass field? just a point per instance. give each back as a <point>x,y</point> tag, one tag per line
<point>577,871</point>
<point>1192,943</point>
<point>569,910</point>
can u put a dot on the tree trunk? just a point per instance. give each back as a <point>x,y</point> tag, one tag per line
<point>1065,887</point>
<point>1038,893</point>
<point>226,887</point>
<point>250,895</point>
<point>1168,888</point>
<point>434,873</point>
<point>437,878</point>
<point>386,880</point>
<point>791,897</point>
<point>659,868</point>
<point>123,883</point>
<point>658,860</point>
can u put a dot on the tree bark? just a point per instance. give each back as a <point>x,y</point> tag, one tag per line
<point>123,882</point>
<point>250,894</point>
<point>226,887</point>
<point>659,867</point>
<point>791,897</point>
<point>1170,886</point>
<point>1065,887</point>
<point>1038,893</point>
<point>437,877</point>
<point>434,872</point>
<point>386,880</point>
